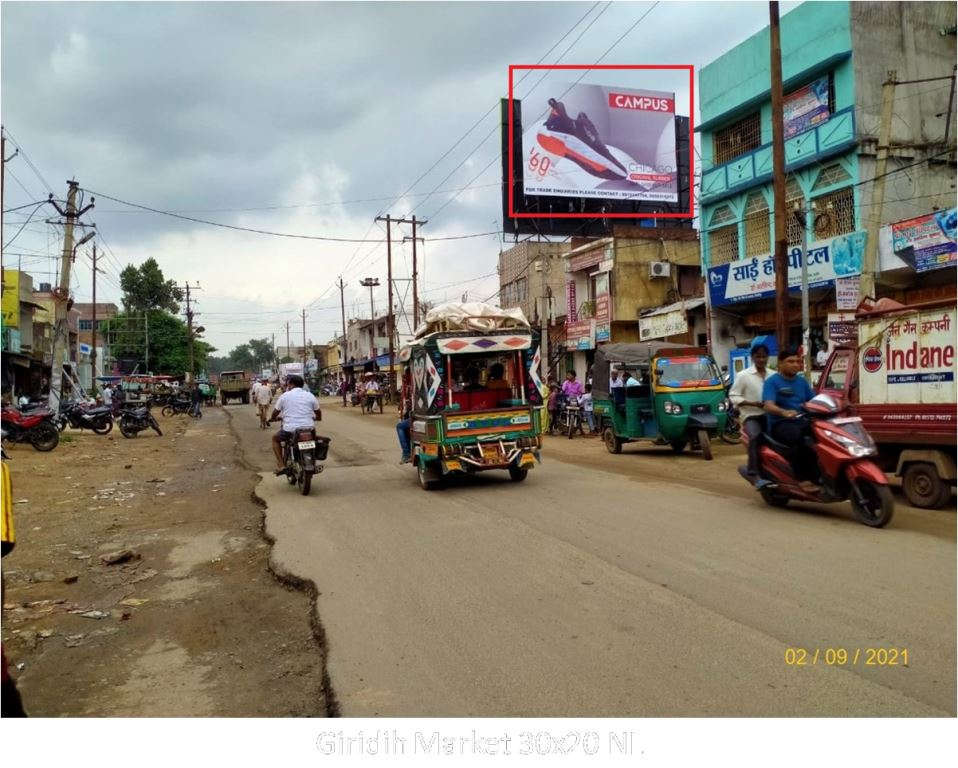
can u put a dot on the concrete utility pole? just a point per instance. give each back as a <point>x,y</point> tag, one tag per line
<point>273,342</point>
<point>93,339</point>
<point>389,291</point>
<point>867,284</point>
<point>62,295</point>
<point>304,343</point>
<point>415,276</point>
<point>342,348</point>
<point>287,341</point>
<point>189,327</point>
<point>778,179</point>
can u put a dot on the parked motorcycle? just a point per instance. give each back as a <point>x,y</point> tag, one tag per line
<point>79,416</point>
<point>302,456</point>
<point>134,420</point>
<point>175,407</point>
<point>36,428</point>
<point>843,449</point>
<point>733,425</point>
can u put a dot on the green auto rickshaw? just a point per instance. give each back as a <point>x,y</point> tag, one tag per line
<point>679,399</point>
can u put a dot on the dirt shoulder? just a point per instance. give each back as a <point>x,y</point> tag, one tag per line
<point>193,623</point>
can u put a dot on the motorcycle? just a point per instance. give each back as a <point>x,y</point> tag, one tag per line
<point>134,419</point>
<point>36,428</point>
<point>301,457</point>
<point>843,449</point>
<point>98,418</point>
<point>570,419</point>
<point>175,407</point>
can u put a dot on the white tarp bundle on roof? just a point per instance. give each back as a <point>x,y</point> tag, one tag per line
<point>471,316</point>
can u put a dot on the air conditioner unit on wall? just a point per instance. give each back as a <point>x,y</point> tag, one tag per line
<point>660,269</point>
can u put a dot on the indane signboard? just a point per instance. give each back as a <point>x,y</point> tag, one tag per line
<point>600,142</point>
<point>754,278</point>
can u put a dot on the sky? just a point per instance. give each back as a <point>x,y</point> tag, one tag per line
<point>308,119</point>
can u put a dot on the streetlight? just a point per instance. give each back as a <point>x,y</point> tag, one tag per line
<point>370,283</point>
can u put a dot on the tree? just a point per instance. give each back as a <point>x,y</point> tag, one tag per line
<point>163,336</point>
<point>144,288</point>
<point>262,353</point>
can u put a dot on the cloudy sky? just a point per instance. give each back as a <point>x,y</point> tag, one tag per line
<point>308,119</point>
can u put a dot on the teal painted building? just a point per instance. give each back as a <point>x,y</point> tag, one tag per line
<point>834,59</point>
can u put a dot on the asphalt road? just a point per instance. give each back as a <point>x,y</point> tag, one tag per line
<point>644,584</point>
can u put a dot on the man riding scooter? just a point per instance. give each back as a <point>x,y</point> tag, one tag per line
<point>783,394</point>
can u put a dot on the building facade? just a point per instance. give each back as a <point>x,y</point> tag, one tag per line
<point>835,58</point>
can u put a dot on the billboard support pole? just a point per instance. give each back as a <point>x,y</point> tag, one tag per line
<point>778,179</point>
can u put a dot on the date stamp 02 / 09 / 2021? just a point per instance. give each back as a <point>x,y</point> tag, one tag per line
<point>846,657</point>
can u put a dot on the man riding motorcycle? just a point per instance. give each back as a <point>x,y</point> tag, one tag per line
<point>298,409</point>
<point>784,394</point>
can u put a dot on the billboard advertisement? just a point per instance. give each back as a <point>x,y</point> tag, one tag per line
<point>926,242</point>
<point>805,108</point>
<point>754,278</point>
<point>595,141</point>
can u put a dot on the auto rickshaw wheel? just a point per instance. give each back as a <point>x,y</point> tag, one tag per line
<point>428,475</point>
<point>517,475</point>
<point>678,445</point>
<point>613,444</point>
<point>705,444</point>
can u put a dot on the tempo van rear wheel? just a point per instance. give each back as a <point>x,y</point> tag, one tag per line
<point>613,444</point>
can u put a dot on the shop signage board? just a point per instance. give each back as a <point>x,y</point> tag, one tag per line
<point>754,278</point>
<point>660,326</point>
<point>603,318</point>
<point>581,334</point>
<point>846,292</point>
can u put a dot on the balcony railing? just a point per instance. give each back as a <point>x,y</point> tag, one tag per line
<point>832,137</point>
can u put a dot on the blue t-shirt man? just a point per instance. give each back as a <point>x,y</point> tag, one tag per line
<point>801,392</point>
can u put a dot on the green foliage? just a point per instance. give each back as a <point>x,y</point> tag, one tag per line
<point>253,356</point>
<point>168,342</point>
<point>144,288</point>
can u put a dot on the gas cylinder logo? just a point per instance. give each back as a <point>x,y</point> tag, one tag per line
<point>872,359</point>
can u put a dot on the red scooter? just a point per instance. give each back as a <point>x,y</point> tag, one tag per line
<point>842,447</point>
<point>36,428</point>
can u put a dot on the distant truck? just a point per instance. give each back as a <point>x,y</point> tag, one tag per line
<point>234,385</point>
<point>900,379</point>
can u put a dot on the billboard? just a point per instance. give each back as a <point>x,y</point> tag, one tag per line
<point>926,242</point>
<point>805,108</point>
<point>596,141</point>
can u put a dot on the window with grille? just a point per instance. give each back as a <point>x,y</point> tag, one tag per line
<point>758,239</point>
<point>722,215</point>
<point>835,213</point>
<point>723,245</point>
<point>830,176</point>
<point>794,225</point>
<point>86,325</point>
<point>737,139</point>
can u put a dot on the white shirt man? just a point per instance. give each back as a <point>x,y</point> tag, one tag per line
<point>372,387</point>
<point>107,396</point>
<point>746,395</point>
<point>297,407</point>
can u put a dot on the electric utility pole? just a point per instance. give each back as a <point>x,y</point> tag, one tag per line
<point>389,286</point>
<point>778,180</point>
<point>287,342</point>
<point>415,276</point>
<point>304,343</point>
<point>93,339</point>
<point>866,287</point>
<point>189,326</point>
<point>342,347</point>
<point>62,295</point>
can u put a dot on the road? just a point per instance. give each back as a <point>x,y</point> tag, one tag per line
<point>644,584</point>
